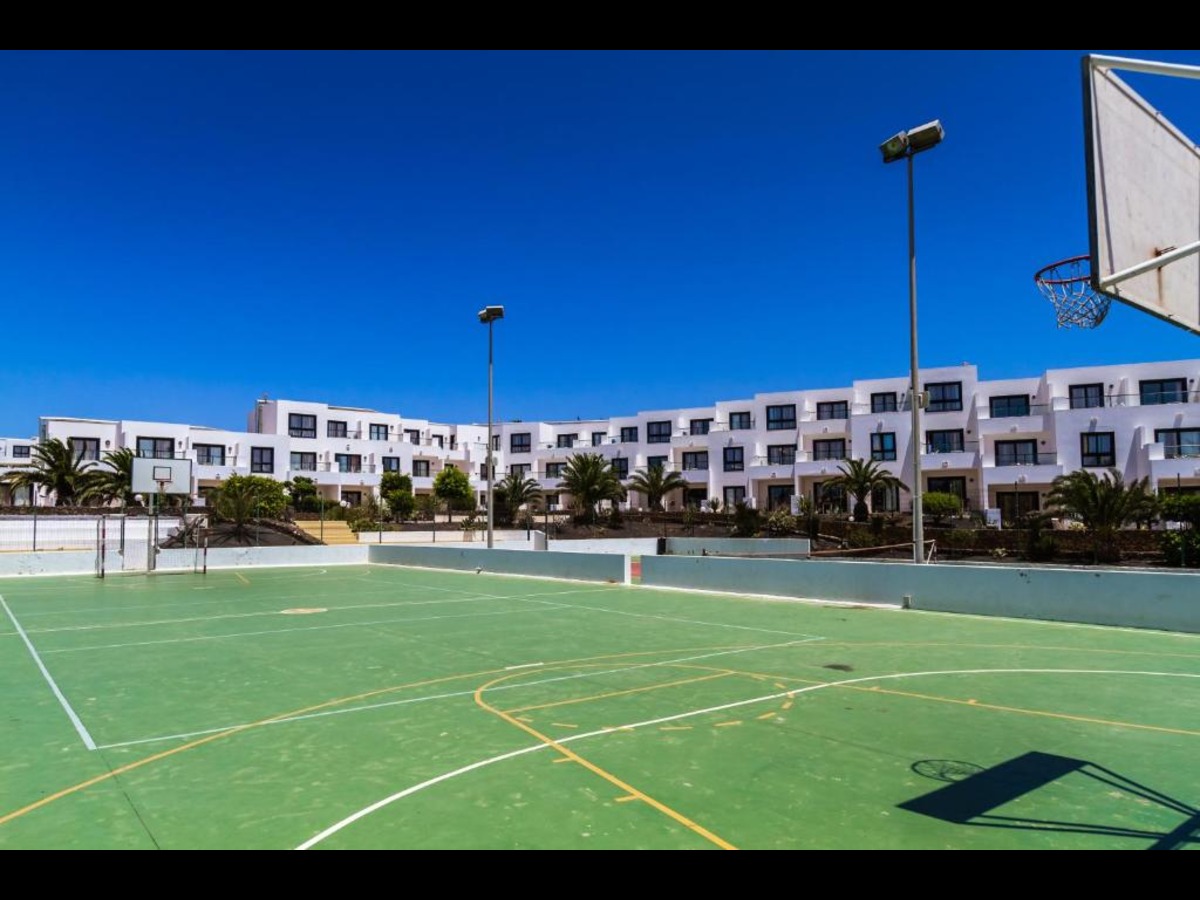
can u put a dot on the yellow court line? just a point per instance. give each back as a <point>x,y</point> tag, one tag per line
<point>626,798</point>
<point>199,742</point>
<point>637,690</point>
<point>676,728</point>
<point>767,715</point>
<point>242,578</point>
<point>563,759</point>
<point>563,725</point>
<point>974,704</point>
<point>592,767</point>
<point>727,724</point>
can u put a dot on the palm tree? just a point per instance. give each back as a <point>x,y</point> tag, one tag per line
<point>516,491</point>
<point>57,469</point>
<point>589,479</point>
<point>114,482</point>
<point>656,483</point>
<point>861,478</point>
<point>1103,504</point>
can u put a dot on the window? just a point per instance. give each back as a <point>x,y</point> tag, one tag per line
<point>629,434</point>
<point>354,498</point>
<point>829,497</point>
<point>779,496</point>
<point>657,433</point>
<point>335,429</point>
<point>85,448</point>
<point>831,449</point>
<point>1165,390</point>
<point>740,421</point>
<point>734,459</point>
<point>1098,449</point>
<point>885,499</point>
<point>696,497</point>
<point>697,460</point>
<point>699,426</point>
<point>519,443</point>
<point>659,462</point>
<point>1009,405</point>
<point>412,435</point>
<point>551,501</point>
<point>1016,504</point>
<point>304,462</point>
<point>734,496</point>
<point>620,467</point>
<point>944,396</point>
<point>440,440</point>
<point>210,454</point>
<point>835,409</point>
<point>555,470</point>
<point>262,460</point>
<point>1016,453</point>
<point>953,485</point>
<point>302,426</point>
<point>155,448</point>
<point>420,468</point>
<point>944,441</point>
<point>781,454</point>
<point>1179,443</point>
<point>1086,396</point>
<point>347,462</point>
<point>566,441</point>
<point>391,463</point>
<point>598,438</point>
<point>495,443</point>
<point>519,470</point>
<point>377,432</point>
<point>20,451</point>
<point>883,446</point>
<point>781,418</point>
<point>883,402</point>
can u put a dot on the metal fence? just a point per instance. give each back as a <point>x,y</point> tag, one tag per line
<point>116,543</point>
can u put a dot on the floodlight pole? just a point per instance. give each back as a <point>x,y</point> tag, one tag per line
<point>904,146</point>
<point>917,511</point>
<point>488,315</point>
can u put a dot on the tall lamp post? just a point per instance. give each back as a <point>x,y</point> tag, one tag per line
<point>906,145</point>
<point>487,316</point>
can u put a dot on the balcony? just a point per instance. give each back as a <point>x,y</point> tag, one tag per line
<point>951,456</point>
<point>1034,423</point>
<point>209,471</point>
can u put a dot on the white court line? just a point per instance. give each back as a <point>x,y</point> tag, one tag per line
<point>622,612</point>
<point>274,631</point>
<point>448,695</point>
<point>409,791</point>
<point>79,728</point>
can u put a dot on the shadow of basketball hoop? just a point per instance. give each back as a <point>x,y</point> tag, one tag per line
<point>973,794</point>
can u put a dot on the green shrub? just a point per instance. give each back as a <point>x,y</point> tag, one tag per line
<point>1181,548</point>
<point>746,520</point>
<point>940,506</point>
<point>1039,545</point>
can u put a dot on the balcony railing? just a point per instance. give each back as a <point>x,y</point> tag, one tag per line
<point>1149,398</point>
<point>208,459</point>
<point>963,447</point>
<point>1044,458</point>
<point>1181,451</point>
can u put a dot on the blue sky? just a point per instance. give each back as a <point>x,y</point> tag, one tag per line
<point>182,232</point>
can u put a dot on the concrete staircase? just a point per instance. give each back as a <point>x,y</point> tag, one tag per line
<point>335,532</point>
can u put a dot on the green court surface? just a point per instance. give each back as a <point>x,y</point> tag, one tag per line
<point>387,707</point>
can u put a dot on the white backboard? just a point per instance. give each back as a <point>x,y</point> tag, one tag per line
<point>175,476</point>
<point>1143,194</point>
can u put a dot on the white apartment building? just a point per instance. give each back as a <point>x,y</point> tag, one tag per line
<point>996,444</point>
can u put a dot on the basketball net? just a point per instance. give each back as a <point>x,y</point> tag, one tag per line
<point>1068,285</point>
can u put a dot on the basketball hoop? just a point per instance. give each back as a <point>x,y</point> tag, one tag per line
<point>1068,285</point>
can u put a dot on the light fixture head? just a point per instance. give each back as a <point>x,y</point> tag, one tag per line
<point>490,314</point>
<point>907,143</point>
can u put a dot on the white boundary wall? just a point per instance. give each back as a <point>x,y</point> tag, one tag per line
<point>1141,599</point>
<point>299,555</point>
<point>68,562</point>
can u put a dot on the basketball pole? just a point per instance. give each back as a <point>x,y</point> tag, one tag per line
<point>917,512</point>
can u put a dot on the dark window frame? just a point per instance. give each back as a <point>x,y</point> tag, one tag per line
<point>1024,452</point>
<point>698,427</point>
<point>420,468</point>
<point>204,454</point>
<point>741,421</point>
<point>883,401</point>
<point>777,418</point>
<point>1177,394</point>
<point>732,495</point>
<point>661,461</point>
<point>300,466</point>
<point>629,434</point>
<point>620,467</point>
<point>824,448</point>
<point>345,462</point>
<point>1090,396</point>
<point>520,442</point>
<point>262,460</point>
<point>90,450</point>
<point>947,402</point>
<point>302,425</point>
<point>880,452</point>
<point>658,432</point>
<point>22,451</point>
<point>781,454</point>
<point>566,441</point>
<point>956,446</point>
<point>156,453</point>
<point>374,429</point>
<point>733,459</point>
<point>337,428</point>
<point>389,464</point>
<point>827,410</point>
<point>693,456</point>
<point>1096,458</point>
<point>1178,443</point>
<point>999,406</point>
